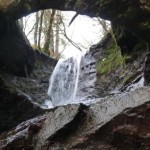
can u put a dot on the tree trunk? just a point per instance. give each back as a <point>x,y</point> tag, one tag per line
<point>36,29</point>
<point>49,31</point>
<point>40,29</point>
<point>57,33</point>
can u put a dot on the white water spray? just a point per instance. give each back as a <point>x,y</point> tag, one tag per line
<point>64,81</point>
<point>78,60</point>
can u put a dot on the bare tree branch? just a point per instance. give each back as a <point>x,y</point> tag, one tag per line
<point>31,29</point>
<point>73,18</point>
<point>65,34</point>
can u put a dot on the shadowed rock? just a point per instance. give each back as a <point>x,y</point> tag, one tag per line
<point>16,54</point>
<point>15,107</point>
<point>20,97</point>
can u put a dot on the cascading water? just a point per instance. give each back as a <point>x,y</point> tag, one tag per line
<point>64,81</point>
<point>72,81</point>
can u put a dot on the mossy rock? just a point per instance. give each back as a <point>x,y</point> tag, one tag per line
<point>112,61</point>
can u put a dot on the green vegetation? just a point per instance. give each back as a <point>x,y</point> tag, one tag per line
<point>113,60</point>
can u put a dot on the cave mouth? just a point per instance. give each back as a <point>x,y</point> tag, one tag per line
<point>63,33</point>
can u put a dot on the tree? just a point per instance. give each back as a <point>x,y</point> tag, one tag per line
<point>57,32</point>
<point>36,29</point>
<point>40,28</point>
<point>49,32</point>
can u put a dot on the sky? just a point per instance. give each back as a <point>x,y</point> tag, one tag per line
<point>84,31</point>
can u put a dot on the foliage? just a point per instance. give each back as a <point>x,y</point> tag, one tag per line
<point>113,60</point>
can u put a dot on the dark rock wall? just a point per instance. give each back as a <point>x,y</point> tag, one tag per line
<point>21,97</point>
<point>16,54</point>
<point>15,107</point>
<point>24,77</point>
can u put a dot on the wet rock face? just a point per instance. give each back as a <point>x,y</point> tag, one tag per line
<point>87,77</point>
<point>16,54</point>
<point>125,75</point>
<point>116,122</point>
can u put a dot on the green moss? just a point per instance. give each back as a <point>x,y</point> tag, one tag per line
<point>112,61</point>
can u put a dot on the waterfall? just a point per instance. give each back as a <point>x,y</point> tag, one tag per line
<point>73,81</point>
<point>78,60</point>
<point>64,81</point>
